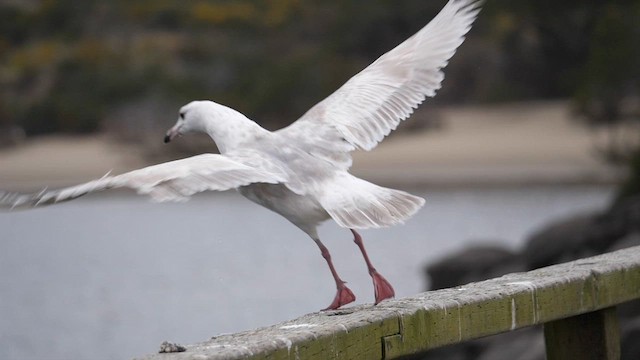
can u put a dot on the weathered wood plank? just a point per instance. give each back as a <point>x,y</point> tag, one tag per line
<point>432,319</point>
<point>590,336</point>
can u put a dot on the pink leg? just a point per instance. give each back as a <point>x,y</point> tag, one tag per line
<point>382,289</point>
<point>344,294</point>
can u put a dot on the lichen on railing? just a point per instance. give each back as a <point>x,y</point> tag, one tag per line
<point>556,296</point>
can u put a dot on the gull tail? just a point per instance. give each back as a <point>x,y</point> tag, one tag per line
<point>359,204</point>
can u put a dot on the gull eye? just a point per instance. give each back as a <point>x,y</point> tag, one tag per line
<point>182,115</point>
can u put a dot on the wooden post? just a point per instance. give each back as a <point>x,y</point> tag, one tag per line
<point>594,335</point>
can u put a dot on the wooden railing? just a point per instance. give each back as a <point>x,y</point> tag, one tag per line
<point>575,301</point>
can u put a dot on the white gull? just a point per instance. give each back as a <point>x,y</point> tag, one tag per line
<point>301,171</point>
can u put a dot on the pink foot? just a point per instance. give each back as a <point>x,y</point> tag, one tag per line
<point>383,290</point>
<point>343,297</point>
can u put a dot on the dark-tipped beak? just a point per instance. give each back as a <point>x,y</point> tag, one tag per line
<point>172,133</point>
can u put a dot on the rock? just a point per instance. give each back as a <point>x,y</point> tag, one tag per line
<point>453,352</point>
<point>629,240</point>
<point>619,221</point>
<point>582,235</point>
<point>469,350</point>
<point>630,347</point>
<point>473,264</point>
<point>561,241</point>
<point>623,218</point>
<point>525,344</point>
<point>167,347</point>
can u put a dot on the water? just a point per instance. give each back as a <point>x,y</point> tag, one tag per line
<point>111,277</point>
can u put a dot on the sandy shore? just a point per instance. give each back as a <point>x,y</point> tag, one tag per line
<point>524,143</point>
<point>64,160</point>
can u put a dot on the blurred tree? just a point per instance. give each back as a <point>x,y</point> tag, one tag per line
<point>609,89</point>
<point>65,65</point>
<point>608,92</point>
<point>631,186</point>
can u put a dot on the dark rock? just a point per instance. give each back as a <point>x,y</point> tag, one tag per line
<point>168,347</point>
<point>525,344</point>
<point>629,240</point>
<point>629,311</point>
<point>630,347</point>
<point>469,350</point>
<point>473,264</point>
<point>582,235</point>
<point>561,241</point>
<point>619,221</point>
<point>453,352</point>
<point>624,216</point>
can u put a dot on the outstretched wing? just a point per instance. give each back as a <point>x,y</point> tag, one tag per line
<point>372,103</point>
<point>170,181</point>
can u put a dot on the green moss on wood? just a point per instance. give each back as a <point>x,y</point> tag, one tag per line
<point>429,320</point>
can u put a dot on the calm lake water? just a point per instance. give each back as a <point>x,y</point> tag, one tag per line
<point>112,276</point>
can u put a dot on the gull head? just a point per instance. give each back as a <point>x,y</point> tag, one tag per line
<point>227,127</point>
<point>190,120</point>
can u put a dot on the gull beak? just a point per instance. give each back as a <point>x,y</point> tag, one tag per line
<point>172,133</point>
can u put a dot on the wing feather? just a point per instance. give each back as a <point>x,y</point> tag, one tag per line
<point>171,181</point>
<point>372,103</point>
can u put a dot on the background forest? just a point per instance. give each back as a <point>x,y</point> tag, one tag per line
<point>67,66</point>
